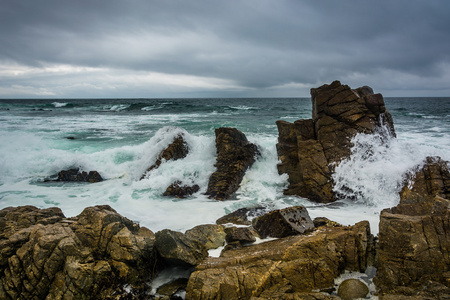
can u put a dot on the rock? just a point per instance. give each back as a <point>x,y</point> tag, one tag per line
<point>414,237</point>
<point>91,256</point>
<point>242,235</point>
<point>240,216</point>
<point>308,149</point>
<point>181,191</point>
<point>172,288</point>
<point>283,267</point>
<point>284,222</point>
<point>209,235</point>
<point>235,154</point>
<point>175,248</point>
<point>76,175</point>
<point>322,221</point>
<point>176,150</point>
<point>351,289</point>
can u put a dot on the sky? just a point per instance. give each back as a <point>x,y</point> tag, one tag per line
<point>233,48</point>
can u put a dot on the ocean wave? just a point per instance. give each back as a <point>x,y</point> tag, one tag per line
<point>60,104</point>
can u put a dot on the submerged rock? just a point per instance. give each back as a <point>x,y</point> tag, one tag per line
<point>308,149</point>
<point>91,256</point>
<point>293,266</point>
<point>284,222</point>
<point>235,154</point>
<point>414,237</point>
<point>76,175</point>
<point>176,150</point>
<point>178,190</point>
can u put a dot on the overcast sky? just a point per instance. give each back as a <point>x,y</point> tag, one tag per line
<point>245,48</point>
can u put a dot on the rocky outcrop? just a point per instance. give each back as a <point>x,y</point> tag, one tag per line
<point>178,190</point>
<point>284,222</point>
<point>235,154</point>
<point>294,266</point>
<point>176,150</point>
<point>414,237</point>
<point>308,149</point>
<point>92,256</point>
<point>76,175</point>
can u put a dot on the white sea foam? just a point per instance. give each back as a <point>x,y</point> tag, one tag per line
<point>59,104</point>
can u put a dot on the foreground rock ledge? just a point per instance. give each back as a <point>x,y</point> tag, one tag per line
<point>308,149</point>
<point>92,256</point>
<point>294,265</point>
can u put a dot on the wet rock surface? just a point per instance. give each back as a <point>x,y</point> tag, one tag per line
<point>241,216</point>
<point>176,150</point>
<point>76,175</point>
<point>178,190</point>
<point>284,222</point>
<point>235,154</point>
<point>92,256</point>
<point>414,238</point>
<point>308,149</point>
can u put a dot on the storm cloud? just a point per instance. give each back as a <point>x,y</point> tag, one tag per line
<point>167,48</point>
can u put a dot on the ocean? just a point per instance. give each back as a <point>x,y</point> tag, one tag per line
<point>120,138</point>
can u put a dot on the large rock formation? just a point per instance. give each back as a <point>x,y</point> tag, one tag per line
<point>414,237</point>
<point>293,266</point>
<point>235,154</point>
<point>308,149</point>
<point>92,256</point>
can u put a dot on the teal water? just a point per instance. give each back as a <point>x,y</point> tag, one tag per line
<point>120,138</point>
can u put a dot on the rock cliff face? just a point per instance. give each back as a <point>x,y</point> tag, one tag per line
<point>235,154</point>
<point>294,265</point>
<point>92,256</point>
<point>414,238</point>
<point>308,149</point>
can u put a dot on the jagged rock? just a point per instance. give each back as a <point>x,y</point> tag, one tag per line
<point>242,235</point>
<point>177,249</point>
<point>414,237</point>
<point>283,267</point>
<point>91,256</point>
<point>171,289</point>
<point>79,176</point>
<point>240,216</point>
<point>322,221</point>
<point>176,150</point>
<point>209,235</point>
<point>283,222</point>
<point>308,149</point>
<point>235,154</point>
<point>352,289</point>
<point>181,191</point>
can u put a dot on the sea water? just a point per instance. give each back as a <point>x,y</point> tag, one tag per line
<point>121,138</point>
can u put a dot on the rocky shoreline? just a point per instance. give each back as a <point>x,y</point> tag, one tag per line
<point>280,254</point>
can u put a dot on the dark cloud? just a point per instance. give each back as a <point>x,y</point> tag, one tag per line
<point>238,47</point>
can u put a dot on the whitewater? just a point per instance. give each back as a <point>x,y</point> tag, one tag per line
<point>121,138</point>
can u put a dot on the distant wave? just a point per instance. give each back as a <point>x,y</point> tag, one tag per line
<point>59,104</point>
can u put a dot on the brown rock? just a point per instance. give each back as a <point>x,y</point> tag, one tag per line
<point>178,190</point>
<point>286,266</point>
<point>414,238</point>
<point>308,149</point>
<point>235,154</point>
<point>176,150</point>
<point>76,175</point>
<point>352,289</point>
<point>209,235</point>
<point>284,222</point>
<point>176,248</point>
<point>242,235</point>
<point>46,256</point>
